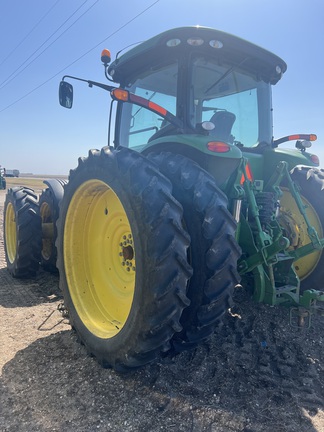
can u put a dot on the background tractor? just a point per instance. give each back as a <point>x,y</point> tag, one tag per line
<point>193,197</point>
<point>3,183</point>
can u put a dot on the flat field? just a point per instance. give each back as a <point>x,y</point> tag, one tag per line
<point>33,182</point>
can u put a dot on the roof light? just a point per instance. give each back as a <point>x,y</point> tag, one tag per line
<point>216,44</point>
<point>302,145</point>
<point>218,147</point>
<point>195,41</point>
<point>278,70</point>
<point>105,56</point>
<point>173,42</point>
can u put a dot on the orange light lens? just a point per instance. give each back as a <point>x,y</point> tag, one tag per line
<point>121,95</point>
<point>218,147</point>
<point>157,108</point>
<point>307,137</point>
<point>248,173</point>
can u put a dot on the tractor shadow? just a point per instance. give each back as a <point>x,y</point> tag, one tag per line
<point>27,292</point>
<point>246,378</point>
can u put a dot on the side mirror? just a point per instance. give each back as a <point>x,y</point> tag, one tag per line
<point>66,94</point>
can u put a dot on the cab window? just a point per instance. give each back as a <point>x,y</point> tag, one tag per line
<point>138,124</point>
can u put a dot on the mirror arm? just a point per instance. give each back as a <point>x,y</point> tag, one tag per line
<point>91,83</point>
<point>106,73</point>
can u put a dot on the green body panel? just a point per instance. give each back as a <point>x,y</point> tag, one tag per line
<point>219,165</point>
<point>291,156</point>
<point>264,164</point>
<point>256,162</point>
<point>198,142</point>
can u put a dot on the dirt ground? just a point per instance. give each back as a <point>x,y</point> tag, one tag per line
<point>258,374</point>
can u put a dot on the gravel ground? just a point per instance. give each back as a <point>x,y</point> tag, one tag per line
<point>257,374</point>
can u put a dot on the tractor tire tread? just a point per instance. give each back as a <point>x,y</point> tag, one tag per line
<point>28,232</point>
<point>166,243</point>
<point>196,190</point>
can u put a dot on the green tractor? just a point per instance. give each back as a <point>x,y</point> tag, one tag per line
<point>3,183</point>
<point>192,198</point>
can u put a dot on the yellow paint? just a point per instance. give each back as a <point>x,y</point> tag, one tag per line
<point>11,233</point>
<point>296,229</point>
<point>99,258</point>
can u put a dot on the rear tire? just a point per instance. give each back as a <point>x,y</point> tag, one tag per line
<point>213,251</point>
<point>122,257</point>
<point>49,201</point>
<point>310,268</point>
<point>22,232</point>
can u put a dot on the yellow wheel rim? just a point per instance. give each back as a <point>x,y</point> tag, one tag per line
<point>47,230</point>
<point>11,233</point>
<point>296,230</point>
<point>99,258</point>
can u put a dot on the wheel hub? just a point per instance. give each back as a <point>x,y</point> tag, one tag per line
<point>127,252</point>
<point>292,230</point>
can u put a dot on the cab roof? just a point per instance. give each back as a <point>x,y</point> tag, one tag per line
<point>230,49</point>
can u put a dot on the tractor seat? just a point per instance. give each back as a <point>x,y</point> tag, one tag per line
<point>223,121</point>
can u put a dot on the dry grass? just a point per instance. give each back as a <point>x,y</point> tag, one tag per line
<point>29,182</point>
<point>35,183</point>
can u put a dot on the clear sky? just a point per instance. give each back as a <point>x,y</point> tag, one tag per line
<point>37,47</point>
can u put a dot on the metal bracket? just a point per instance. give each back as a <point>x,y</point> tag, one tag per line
<point>300,317</point>
<point>309,305</point>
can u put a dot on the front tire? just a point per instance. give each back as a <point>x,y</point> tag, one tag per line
<point>213,251</point>
<point>122,257</point>
<point>22,232</point>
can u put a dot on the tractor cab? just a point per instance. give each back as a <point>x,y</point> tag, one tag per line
<point>201,93</point>
<point>214,84</point>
